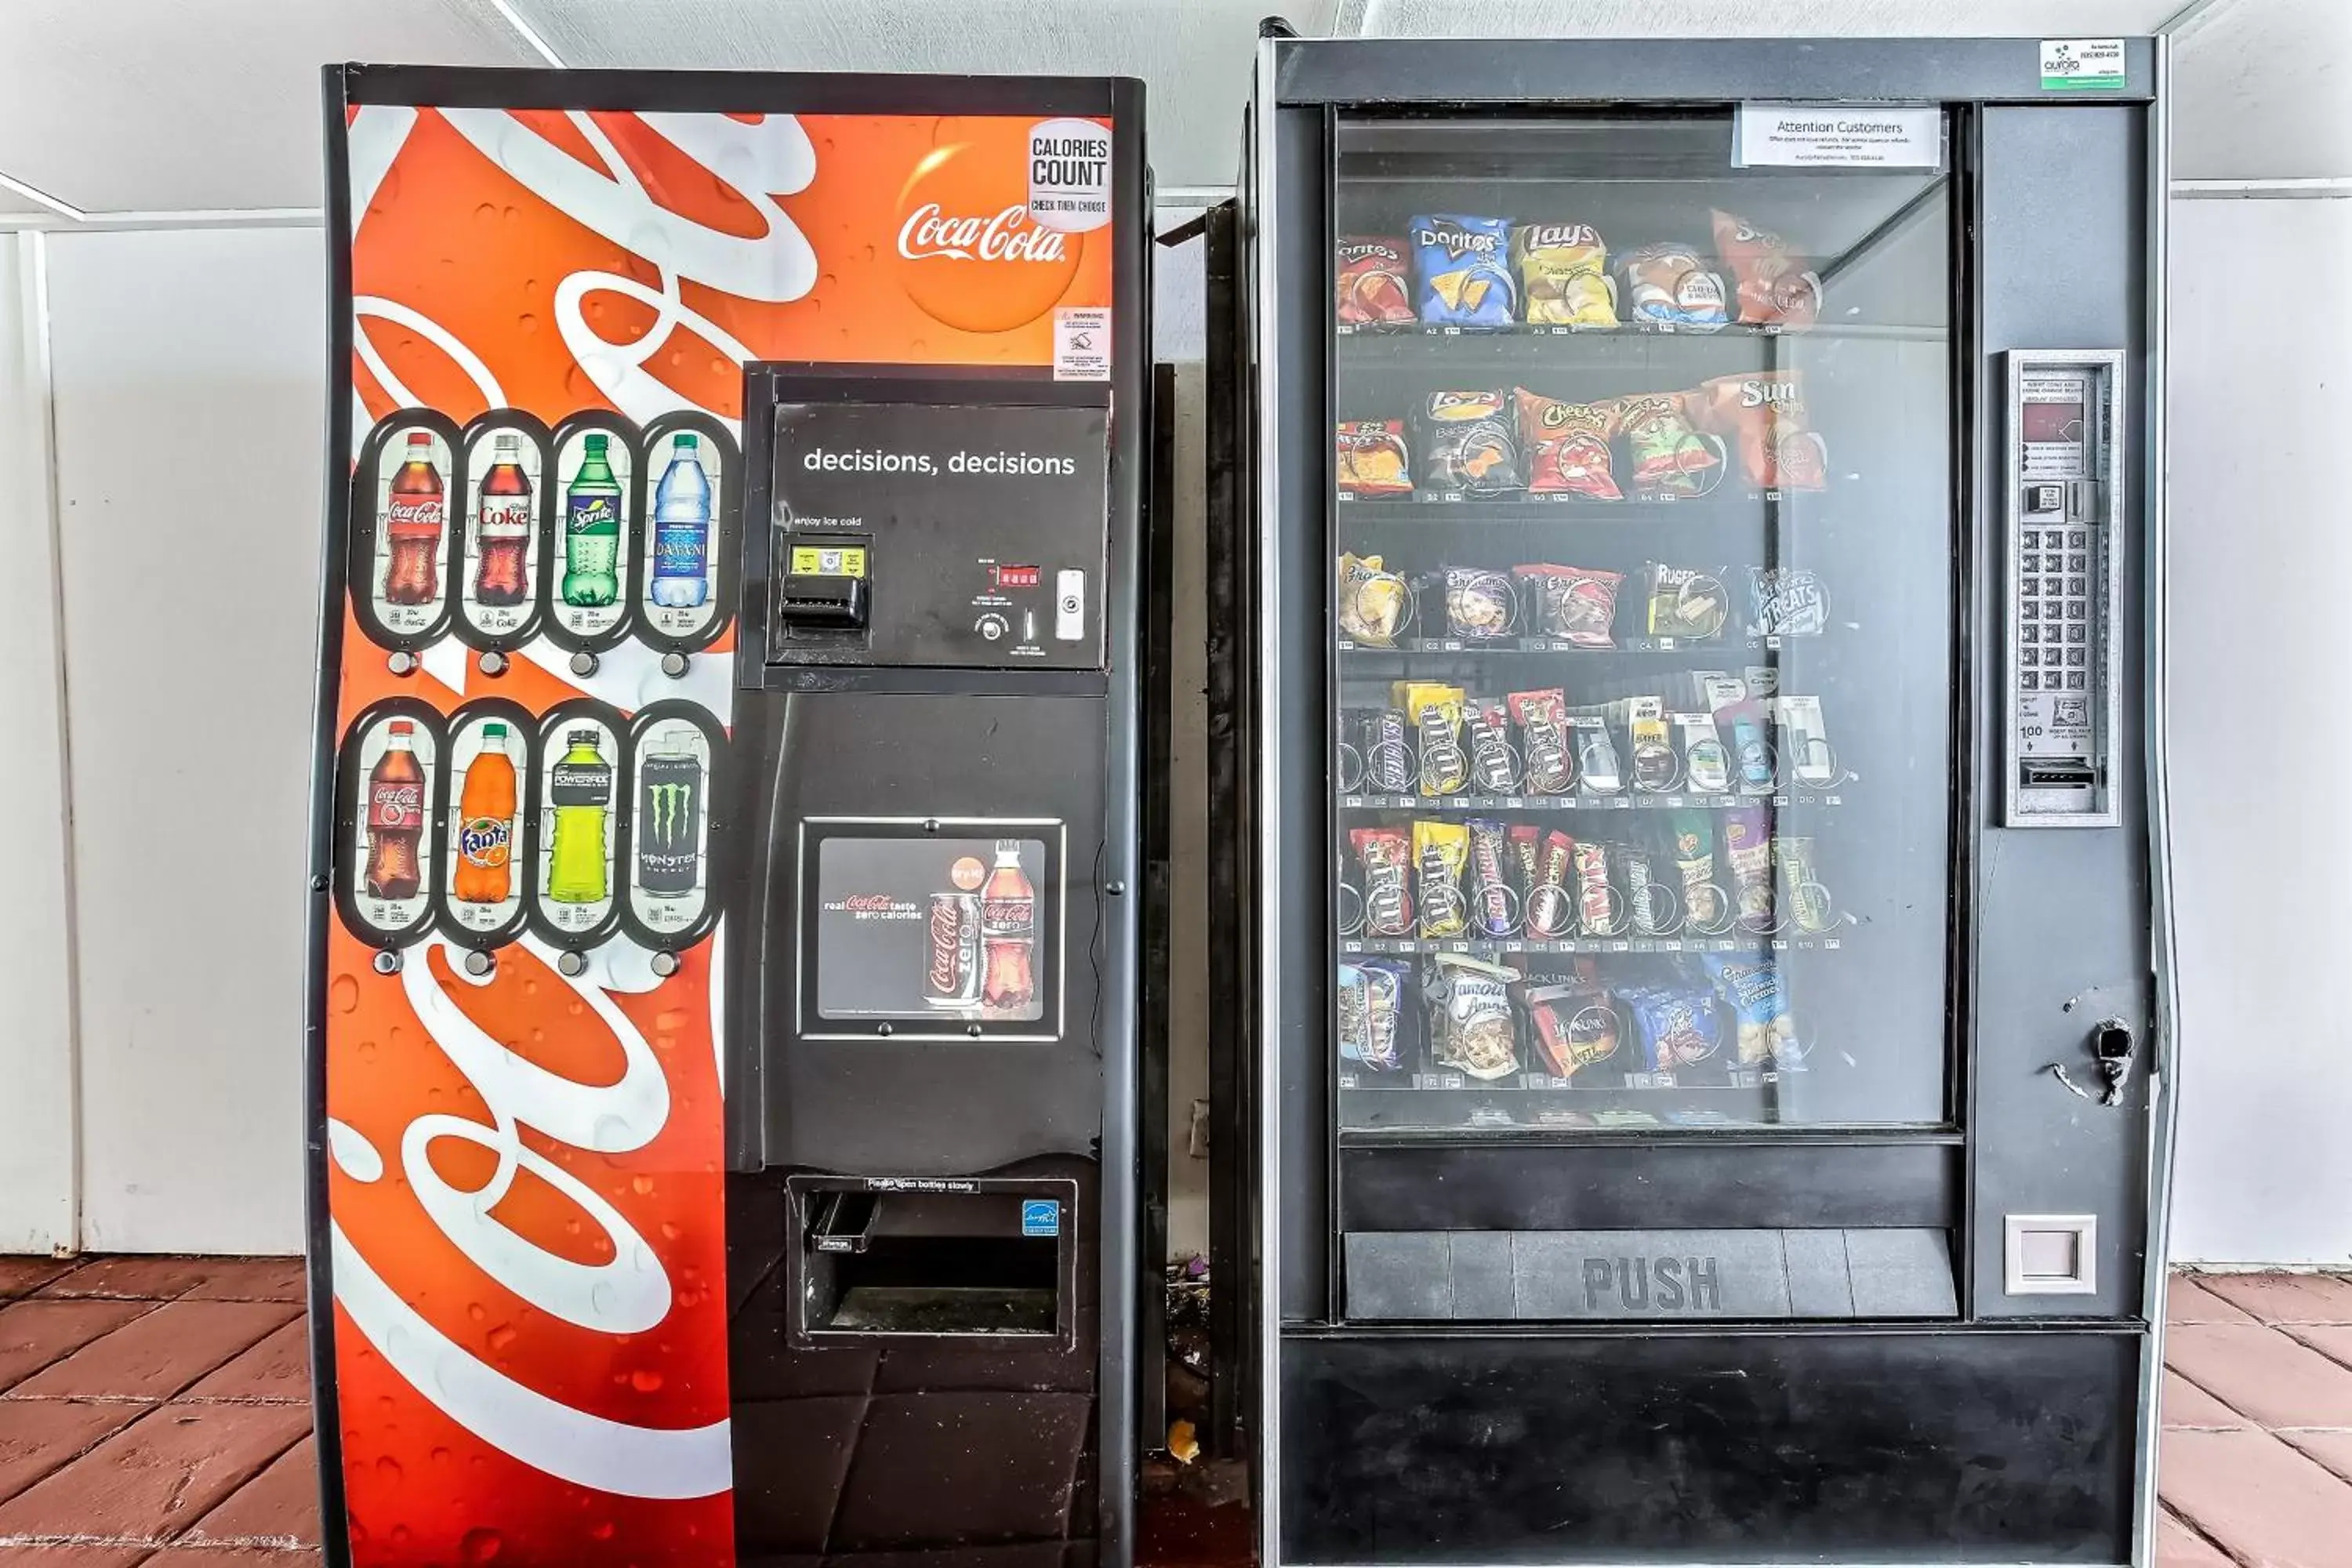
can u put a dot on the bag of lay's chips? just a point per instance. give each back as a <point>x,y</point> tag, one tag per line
<point>1464,272</point>
<point>1564,275</point>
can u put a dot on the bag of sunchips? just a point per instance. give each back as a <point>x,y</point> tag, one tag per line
<point>1766,416</point>
<point>1564,275</point>
<point>1372,458</point>
<point>1372,289</point>
<point>1466,280</point>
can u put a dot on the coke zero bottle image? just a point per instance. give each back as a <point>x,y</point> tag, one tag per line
<point>592,528</point>
<point>681,529</point>
<point>396,817</point>
<point>503,526</point>
<point>413,516</point>
<point>1008,929</point>
<point>669,822</point>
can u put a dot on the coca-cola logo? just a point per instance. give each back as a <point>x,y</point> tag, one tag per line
<point>947,946</point>
<point>1008,235</point>
<point>396,804</point>
<point>414,513</point>
<point>506,516</point>
<point>969,252</point>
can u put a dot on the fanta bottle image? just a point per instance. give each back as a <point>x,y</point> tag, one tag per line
<point>486,817</point>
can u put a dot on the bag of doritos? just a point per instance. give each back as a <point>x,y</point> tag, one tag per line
<point>1371,458</point>
<point>1772,288</point>
<point>1564,275</point>
<point>1372,291</point>
<point>1465,277</point>
<point>1567,447</point>
<point>1468,445</point>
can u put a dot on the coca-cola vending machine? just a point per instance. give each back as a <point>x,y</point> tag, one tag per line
<point>723,973</point>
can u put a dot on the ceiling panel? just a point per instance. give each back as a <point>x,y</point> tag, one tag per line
<point>1194,55</point>
<point>1758,18</point>
<point>2262,89</point>
<point>146,105</point>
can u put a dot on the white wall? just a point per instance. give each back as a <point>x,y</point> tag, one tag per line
<point>189,394</point>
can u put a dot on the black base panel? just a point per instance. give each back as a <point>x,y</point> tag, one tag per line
<point>962,1453</point>
<point>1996,1446</point>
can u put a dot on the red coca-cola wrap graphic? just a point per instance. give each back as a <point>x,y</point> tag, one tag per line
<point>524,1231</point>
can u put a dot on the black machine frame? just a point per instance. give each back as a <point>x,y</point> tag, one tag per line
<point>1269,650</point>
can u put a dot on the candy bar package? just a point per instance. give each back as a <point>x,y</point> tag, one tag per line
<point>1386,855</point>
<point>1747,844</point>
<point>1806,735</point>
<point>1464,269</point>
<point>1471,1025</point>
<point>1809,902</point>
<point>1765,415</point>
<point>1372,288</point>
<point>1655,766</point>
<point>1773,288</point>
<point>1755,765</point>
<point>1371,600</point>
<point>1435,715</point>
<point>1441,853</point>
<point>1653,914</point>
<point>1706,766</point>
<point>1550,910</point>
<point>1684,602</point>
<point>1762,680</point>
<point>1786,601</point>
<point>1494,902</point>
<point>1371,459</point>
<point>1678,1026</point>
<point>1493,767</point>
<point>1468,445</point>
<point>1703,899</point>
<point>1371,1014</point>
<point>1566,447</point>
<point>1479,604</point>
<point>1596,754</point>
<point>1384,738</point>
<point>1542,719</point>
<point>1597,913</point>
<point>1564,275</point>
<point>1668,286</point>
<point>1750,983</point>
<point>1577,604</point>
<point>1572,1026</point>
<point>1669,459</point>
<point>1527,849</point>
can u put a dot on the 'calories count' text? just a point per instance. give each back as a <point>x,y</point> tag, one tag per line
<point>1069,175</point>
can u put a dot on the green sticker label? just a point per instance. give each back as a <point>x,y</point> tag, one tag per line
<point>2082,65</point>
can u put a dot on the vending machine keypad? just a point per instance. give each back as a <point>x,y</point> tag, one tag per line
<point>2064,498</point>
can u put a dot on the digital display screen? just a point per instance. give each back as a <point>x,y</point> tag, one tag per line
<point>2047,422</point>
<point>951,930</point>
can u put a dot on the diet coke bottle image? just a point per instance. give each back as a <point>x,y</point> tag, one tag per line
<point>1008,929</point>
<point>414,513</point>
<point>396,818</point>
<point>503,520</point>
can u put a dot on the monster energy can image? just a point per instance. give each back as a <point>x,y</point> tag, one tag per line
<point>669,820</point>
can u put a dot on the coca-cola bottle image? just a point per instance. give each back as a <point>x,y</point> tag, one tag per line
<point>412,525</point>
<point>396,817</point>
<point>503,526</point>
<point>1008,932</point>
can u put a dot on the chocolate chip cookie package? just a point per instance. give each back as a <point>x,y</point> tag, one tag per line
<point>1767,624</point>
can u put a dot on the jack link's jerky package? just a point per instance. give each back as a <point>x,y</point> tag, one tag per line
<point>1469,446</point>
<point>1493,904</point>
<point>1668,286</point>
<point>1678,1026</point>
<point>1386,855</point>
<point>1566,445</point>
<point>1765,415</point>
<point>1372,289</point>
<point>1695,863</point>
<point>1747,844</point>
<point>1372,458</point>
<point>1542,718</point>
<point>1372,1011</point>
<point>1574,1024</point>
<point>1435,713</point>
<point>1371,600</point>
<point>1471,1026</point>
<point>1492,766</point>
<point>1786,601</point>
<point>1465,274</point>
<point>1669,459</point>
<point>1478,603</point>
<point>1564,275</point>
<point>1750,982</point>
<point>1773,288</point>
<point>1577,604</point>
<point>1441,854</point>
<point>1685,602</point>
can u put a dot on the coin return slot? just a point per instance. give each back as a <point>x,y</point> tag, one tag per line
<point>2058,774</point>
<point>924,1263</point>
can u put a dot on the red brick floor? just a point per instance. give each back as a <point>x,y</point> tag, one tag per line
<point>154,1412</point>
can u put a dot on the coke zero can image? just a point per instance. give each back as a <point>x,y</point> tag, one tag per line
<point>952,972</point>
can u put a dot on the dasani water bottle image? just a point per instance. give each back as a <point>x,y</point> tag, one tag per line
<point>681,529</point>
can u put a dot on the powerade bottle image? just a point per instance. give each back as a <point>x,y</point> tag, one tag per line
<point>580,788</point>
<point>592,528</point>
<point>681,527</point>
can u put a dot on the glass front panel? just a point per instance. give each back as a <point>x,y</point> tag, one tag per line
<point>1643,588</point>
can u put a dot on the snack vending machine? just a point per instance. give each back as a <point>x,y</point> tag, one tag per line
<point>723,1021</point>
<point>1713,1102</point>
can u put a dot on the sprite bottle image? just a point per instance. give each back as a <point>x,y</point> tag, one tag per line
<point>580,788</point>
<point>592,528</point>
